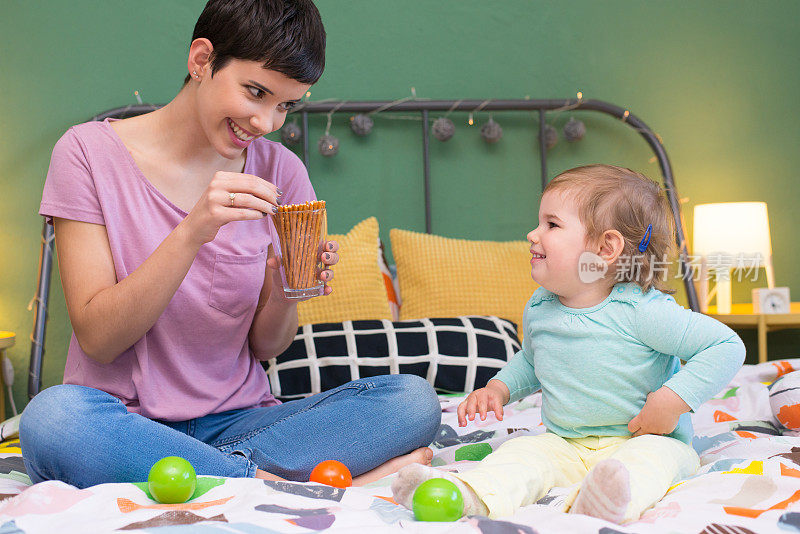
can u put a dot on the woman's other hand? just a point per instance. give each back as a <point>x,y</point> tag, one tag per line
<point>329,258</point>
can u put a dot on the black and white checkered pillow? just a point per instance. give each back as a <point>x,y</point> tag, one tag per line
<point>456,354</point>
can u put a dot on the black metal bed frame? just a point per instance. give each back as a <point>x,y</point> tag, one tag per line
<point>424,107</point>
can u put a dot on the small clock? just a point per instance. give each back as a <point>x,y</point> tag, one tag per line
<point>771,300</point>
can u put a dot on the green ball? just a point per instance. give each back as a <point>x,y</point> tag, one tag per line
<point>172,480</point>
<point>437,499</point>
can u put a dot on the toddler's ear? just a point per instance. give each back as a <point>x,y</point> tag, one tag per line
<point>611,246</point>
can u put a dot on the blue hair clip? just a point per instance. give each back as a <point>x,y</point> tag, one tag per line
<point>646,239</point>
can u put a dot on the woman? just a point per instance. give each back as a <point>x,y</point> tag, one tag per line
<point>161,226</point>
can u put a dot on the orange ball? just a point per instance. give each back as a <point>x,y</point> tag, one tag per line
<point>332,473</point>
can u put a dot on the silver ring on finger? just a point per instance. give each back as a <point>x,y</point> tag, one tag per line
<point>232,196</point>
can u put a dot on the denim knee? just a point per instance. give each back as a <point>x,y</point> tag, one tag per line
<point>51,422</point>
<point>418,406</point>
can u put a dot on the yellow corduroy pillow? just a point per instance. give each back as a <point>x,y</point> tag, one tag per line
<point>443,277</point>
<point>358,288</point>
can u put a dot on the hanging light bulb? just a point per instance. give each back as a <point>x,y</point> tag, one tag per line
<point>574,130</point>
<point>328,145</point>
<point>491,131</point>
<point>443,129</point>
<point>550,136</point>
<point>361,124</point>
<point>291,134</point>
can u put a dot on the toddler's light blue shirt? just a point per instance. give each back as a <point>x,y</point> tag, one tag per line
<point>595,366</point>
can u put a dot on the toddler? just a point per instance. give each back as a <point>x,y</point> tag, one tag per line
<point>604,342</point>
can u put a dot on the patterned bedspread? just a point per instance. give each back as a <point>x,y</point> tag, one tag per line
<point>749,482</point>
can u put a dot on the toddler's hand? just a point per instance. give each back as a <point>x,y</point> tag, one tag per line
<point>492,397</point>
<point>660,413</point>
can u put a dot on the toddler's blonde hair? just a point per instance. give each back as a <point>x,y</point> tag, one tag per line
<point>616,198</point>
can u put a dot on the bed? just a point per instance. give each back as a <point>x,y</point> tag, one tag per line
<point>749,482</point>
<point>750,475</point>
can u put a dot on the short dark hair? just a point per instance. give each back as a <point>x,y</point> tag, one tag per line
<point>287,35</point>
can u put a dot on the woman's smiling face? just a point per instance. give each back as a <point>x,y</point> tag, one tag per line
<point>243,101</point>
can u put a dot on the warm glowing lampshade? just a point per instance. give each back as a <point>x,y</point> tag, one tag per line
<point>740,229</point>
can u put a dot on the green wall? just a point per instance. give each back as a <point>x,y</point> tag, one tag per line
<point>717,80</point>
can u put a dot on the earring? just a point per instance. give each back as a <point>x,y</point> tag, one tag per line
<point>194,73</point>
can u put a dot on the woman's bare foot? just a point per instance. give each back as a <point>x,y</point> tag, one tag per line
<point>267,476</point>
<point>423,456</point>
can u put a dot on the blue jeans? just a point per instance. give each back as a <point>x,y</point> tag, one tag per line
<point>84,436</point>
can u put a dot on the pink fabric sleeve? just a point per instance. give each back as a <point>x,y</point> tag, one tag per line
<point>69,189</point>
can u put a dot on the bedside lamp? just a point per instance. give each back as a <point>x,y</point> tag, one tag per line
<point>727,233</point>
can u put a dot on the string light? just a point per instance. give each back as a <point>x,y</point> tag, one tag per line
<point>550,136</point>
<point>291,134</point>
<point>361,124</point>
<point>442,128</point>
<point>491,132</point>
<point>328,145</point>
<point>123,113</point>
<point>476,110</point>
<point>624,118</point>
<point>395,102</point>
<point>454,106</point>
<point>574,130</point>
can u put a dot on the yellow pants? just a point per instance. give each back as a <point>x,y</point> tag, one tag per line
<point>522,470</point>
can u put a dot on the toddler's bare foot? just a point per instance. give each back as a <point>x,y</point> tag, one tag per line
<point>605,492</point>
<point>413,475</point>
<point>423,455</point>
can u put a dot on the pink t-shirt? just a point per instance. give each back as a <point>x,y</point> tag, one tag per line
<point>196,359</point>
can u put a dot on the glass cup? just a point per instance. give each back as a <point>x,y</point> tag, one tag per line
<point>299,233</point>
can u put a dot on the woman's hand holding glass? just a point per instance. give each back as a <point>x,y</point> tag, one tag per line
<point>490,398</point>
<point>231,196</point>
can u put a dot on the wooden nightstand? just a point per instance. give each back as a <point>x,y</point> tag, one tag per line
<point>6,341</point>
<point>742,316</point>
